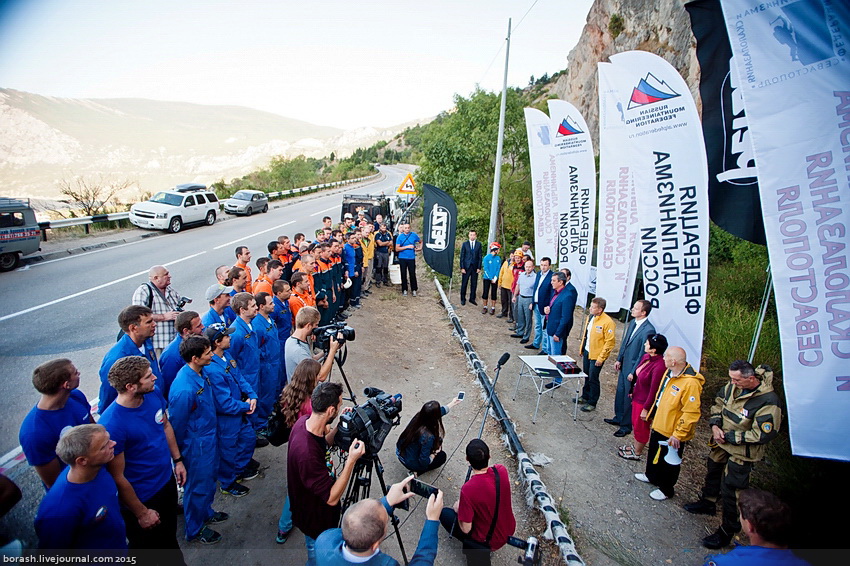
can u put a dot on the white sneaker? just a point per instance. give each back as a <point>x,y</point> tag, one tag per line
<point>414,293</point>
<point>658,495</point>
<point>642,477</point>
<point>404,293</point>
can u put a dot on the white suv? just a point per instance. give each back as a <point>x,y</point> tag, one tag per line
<point>173,209</point>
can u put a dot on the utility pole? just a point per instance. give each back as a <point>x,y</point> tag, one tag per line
<point>497,178</point>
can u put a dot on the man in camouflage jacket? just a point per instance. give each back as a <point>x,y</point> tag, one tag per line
<point>744,418</point>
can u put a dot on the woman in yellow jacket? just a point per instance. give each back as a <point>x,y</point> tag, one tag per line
<point>506,283</point>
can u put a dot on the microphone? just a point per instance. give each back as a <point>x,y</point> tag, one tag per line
<point>504,359</point>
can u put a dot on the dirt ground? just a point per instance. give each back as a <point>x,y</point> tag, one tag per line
<point>405,345</point>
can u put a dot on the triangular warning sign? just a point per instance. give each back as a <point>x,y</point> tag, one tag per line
<point>407,187</point>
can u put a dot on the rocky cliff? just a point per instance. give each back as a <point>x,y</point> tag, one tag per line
<point>661,27</point>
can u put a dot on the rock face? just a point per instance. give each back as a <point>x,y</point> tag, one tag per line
<point>661,27</point>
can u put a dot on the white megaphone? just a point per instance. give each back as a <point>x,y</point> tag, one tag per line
<point>672,457</point>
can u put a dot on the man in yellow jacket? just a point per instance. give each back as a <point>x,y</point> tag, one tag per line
<point>597,343</point>
<point>674,416</point>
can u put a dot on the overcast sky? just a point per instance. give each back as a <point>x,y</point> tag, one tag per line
<point>329,62</point>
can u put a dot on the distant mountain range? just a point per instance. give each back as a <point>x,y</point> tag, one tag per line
<point>155,144</point>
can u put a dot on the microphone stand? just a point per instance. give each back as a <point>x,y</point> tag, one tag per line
<point>486,412</point>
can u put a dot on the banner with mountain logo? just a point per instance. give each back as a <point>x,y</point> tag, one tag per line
<point>575,181</point>
<point>439,221</point>
<point>793,63</point>
<point>544,196</point>
<point>617,253</point>
<point>663,132</point>
<point>733,194</point>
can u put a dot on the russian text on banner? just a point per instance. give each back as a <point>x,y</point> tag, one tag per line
<point>671,178</point>
<point>795,76</point>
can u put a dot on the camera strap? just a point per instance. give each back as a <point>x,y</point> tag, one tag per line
<point>496,512</point>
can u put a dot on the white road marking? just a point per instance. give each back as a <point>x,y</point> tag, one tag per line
<point>325,210</point>
<point>243,238</point>
<point>93,289</point>
<point>85,253</point>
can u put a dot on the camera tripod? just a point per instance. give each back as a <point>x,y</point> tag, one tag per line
<point>339,358</point>
<point>361,483</point>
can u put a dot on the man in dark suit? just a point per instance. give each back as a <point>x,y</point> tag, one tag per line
<point>631,350</point>
<point>470,265</point>
<point>542,296</point>
<point>560,314</point>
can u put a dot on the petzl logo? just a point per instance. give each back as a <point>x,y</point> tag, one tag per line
<point>649,91</point>
<point>567,127</point>
<point>438,238</point>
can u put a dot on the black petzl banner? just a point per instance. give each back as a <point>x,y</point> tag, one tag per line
<point>439,219</point>
<point>733,192</point>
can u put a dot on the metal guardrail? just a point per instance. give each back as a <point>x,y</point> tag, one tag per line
<point>98,218</point>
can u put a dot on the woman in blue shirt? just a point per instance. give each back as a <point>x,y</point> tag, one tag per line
<point>419,448</point>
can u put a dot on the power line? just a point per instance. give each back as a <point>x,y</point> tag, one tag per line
<point>502,46</point>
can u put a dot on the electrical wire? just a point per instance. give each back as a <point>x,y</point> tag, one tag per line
<point>502,46</point>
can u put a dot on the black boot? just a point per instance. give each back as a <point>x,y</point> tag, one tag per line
<point>719,539</point>
<point>701,507</point>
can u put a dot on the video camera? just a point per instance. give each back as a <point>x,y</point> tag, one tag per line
<point>370,422</point>
<point>324,334</point>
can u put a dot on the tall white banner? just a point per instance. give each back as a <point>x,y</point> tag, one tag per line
<point>617,253</point>
<point>671,186</point>
<point>576,184</point>
<point>792,63</point>
<point>544,195</point>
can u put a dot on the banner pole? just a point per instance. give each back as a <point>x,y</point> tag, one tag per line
<point>765,300</point>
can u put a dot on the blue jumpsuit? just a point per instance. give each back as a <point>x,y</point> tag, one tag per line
<point>236,438</point>
<point>211,317</point>
<point>170,363</point>
<point>245,349</point>
<point>282,317</point>
<point>269,365</point>
<point>123,348</point>
<point>191,411</point>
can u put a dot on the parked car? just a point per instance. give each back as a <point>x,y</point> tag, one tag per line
<point>247,202</point>
<point>171,210</point>
<point>19,232</point>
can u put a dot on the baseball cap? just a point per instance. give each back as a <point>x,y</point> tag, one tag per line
<point>213,291</point>
<point>216,330</point>
<point>348,215</point>
<point>495,246</point>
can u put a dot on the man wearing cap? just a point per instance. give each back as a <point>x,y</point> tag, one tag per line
<point>491,265</point>
<point>470,264</point>
<point>188,323</point>
<point>744,418</point>
<point>218,296</point>
<point>348,222</point>
<point>236,438</point>
<point>383,242</point>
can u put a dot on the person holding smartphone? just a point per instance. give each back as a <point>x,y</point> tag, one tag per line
<point>419,447</point>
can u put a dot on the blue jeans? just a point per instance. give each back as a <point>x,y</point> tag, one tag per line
<point>538,328</point>
<point>311,550</point>
<point>284,524</point>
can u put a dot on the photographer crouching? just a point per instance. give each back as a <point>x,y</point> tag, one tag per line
<point>364,526</point>
<point>419,447</point>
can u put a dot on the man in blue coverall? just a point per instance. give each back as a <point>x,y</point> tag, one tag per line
<point>245,349</point>
<point>282,317</point>
<point>191,409</point>
<point>137,323</point>
<point>187,323</point>
<point>235,434</point>
<point>218,296</point>
<point>270,359</point>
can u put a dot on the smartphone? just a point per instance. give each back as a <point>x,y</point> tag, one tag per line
<point>460,395</point>
<point>422,489</point>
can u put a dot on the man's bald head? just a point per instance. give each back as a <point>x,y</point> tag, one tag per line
<point>364,524</point>
<point>675,358</point>
<point>156,271</point>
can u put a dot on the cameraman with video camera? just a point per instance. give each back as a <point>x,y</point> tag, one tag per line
<point>299,346</point>
<point>314,491</point>
<point>364,526</point>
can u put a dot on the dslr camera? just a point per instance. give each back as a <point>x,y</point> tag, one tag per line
<point>370,422</point>
<point>182,303</point>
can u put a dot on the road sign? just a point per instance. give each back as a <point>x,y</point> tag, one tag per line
<point>408,186</point>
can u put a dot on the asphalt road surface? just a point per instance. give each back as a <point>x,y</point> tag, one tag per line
<point>68,307</point>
